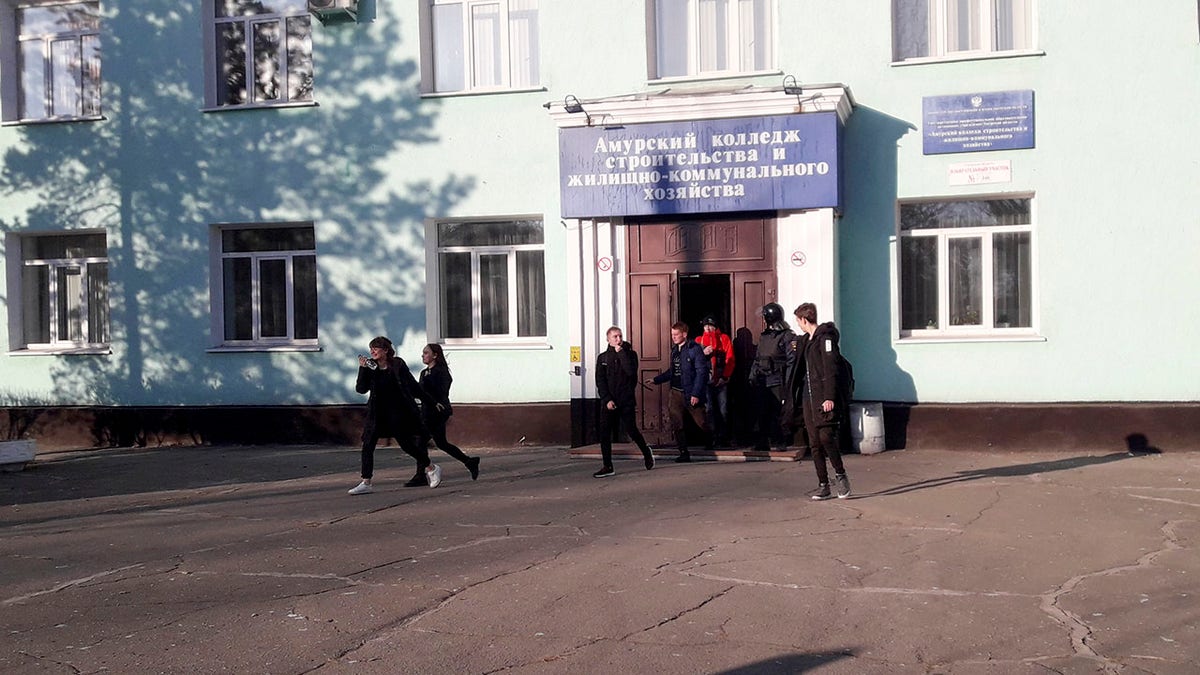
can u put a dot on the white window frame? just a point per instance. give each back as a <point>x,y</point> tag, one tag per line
<point>986,330</point>
<point>434,252</point>
<point>11,76</point>
<point>17,264</point>
<point>257,342</point>
<point>939,34</point>
<point>213,64</point>
<point>429,63</point>
<point>733,42</point>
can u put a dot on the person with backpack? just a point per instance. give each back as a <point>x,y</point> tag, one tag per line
<point>823,396</point>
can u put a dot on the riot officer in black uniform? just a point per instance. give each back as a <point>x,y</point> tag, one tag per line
<point>773,360</point>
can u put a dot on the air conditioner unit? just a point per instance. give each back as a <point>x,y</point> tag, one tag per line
<point>324,9</point>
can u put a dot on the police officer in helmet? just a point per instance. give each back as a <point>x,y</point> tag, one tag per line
<point>773,361</point>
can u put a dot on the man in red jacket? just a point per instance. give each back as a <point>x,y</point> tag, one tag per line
<point>719,348</point>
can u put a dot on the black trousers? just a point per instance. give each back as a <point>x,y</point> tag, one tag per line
<point>770,407</point>
<point>823,441</point>
<point>407,443</point>
<point>435,428</point>
<point>611,420</point>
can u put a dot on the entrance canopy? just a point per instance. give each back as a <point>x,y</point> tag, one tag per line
<point>749,149</point>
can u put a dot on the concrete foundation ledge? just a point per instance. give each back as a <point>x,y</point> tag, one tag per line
<point>14,455</point>
<point>630,451</point>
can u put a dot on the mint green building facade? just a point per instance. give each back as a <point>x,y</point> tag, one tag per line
<point>209,210</point>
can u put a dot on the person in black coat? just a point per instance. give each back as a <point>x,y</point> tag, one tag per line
<point>822,397</point>
<point>392,410</point>
<point>435,381</point>
<point>616,383</point>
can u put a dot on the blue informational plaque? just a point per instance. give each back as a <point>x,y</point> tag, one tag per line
<point>998,120</point>
<point>702,166</point>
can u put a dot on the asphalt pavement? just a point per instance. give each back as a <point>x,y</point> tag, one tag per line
<point>254,559</point>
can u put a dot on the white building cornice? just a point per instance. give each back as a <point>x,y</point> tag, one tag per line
<point>669,105</point>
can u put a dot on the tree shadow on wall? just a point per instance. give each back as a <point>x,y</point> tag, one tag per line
<point>157,173</point>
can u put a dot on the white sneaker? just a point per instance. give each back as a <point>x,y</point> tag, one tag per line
<point>361,489</point>
<point>434,474</point>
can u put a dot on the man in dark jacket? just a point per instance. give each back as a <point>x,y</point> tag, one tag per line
<point>616,381</point>
<point>773,359</point>
<point>822,397</point>
<point>688,375</point>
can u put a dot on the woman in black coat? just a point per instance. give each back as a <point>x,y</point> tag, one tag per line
<point>436,409</point>
<point>392,410</point>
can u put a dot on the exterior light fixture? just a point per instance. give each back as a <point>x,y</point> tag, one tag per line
<point>790,87</point>
<point>572,105</point>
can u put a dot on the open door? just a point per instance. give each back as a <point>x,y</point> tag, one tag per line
<point>652,311</point>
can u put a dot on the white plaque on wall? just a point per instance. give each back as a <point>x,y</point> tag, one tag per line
<point>978,173</point>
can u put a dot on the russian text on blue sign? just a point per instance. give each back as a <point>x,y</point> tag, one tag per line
<point>998,120</point>
<point>701,166</point>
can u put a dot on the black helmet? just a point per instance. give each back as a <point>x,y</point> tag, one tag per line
<point>708,320</point>
<point>772,313</point>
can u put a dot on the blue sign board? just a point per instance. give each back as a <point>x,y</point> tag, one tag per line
<point>701,166</point>
<point>998,120</point>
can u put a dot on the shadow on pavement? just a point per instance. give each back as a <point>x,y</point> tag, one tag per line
<point>1029,469</point>
<point>792,663</point>
<point>124,471</point>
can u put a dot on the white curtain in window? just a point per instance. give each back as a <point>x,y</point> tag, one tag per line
<point>912,29</point>
<point>671,37</point>
<point>755,20</point>
<point>485,46</point>
<point>962,25</point>
<point>448,66</point>
<point>33,80</point>
<point>1013,24</point>
<point>523,43</point>
<point>713,16</point>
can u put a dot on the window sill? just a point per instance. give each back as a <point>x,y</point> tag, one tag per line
<point>259,106</point>
<point>960,337</point>
<point>479,92</point>
<point>495,346</point>
<point>52,120</point>
<point>713,77</point>
<point>968,56</point>
<point>61,351</point>
<point>237,349</point>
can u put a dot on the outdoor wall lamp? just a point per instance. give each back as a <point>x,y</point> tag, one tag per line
<point>790,87</point>
<point>572,105</point>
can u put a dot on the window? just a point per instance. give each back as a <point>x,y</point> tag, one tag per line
<point>268,292</point>
<point>480,45</point>
<point>54,60</point>
<point>966,267</point>
<point>63,291</point>
<point>492,280</point>
<point>701,37</point>
<point>956,28</point>
<point>263,52</point>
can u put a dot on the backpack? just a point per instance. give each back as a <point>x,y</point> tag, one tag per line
<point>845,377</point>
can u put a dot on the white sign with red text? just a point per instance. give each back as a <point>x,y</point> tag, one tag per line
<point>979,173</point>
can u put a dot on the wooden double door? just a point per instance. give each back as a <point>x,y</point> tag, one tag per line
<point>683,271</point>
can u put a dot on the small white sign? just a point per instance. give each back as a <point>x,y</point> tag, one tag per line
<point>977,173</point>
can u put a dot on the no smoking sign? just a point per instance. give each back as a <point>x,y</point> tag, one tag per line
<point>798,258</point>
<point>604,264</point>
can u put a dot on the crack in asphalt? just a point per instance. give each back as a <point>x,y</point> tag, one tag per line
<point>67,584</point>
<point>1081,631</point>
